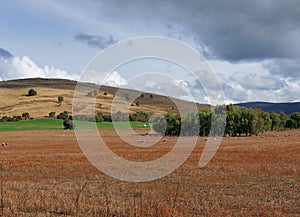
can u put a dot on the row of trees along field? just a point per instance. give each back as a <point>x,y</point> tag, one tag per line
<point>239,121</point>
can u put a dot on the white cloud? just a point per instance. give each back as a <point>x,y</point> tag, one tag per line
<point>23,67</point>
<point>114,79</point>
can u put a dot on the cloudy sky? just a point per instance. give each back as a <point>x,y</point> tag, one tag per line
<point>253,46</point>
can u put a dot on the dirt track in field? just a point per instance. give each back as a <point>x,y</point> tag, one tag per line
<point>45,174</point>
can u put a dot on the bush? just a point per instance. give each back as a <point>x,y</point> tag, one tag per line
<point>107,118</point>
<point>26,115</point>
<point>159,125</point>
<point>60,99</point>
<point>17,118</point>
<point>11,119</point>
<point>52,114</point>
<point>99,117</point>
<point>64,115</point>
<point>31,92</point>
<point>137,103</point>
<point>68,125</point>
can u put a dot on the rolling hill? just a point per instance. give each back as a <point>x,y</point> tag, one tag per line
<point>14,100</point>
<point>287,108</point>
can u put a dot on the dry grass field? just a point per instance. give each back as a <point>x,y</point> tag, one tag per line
<point>44,173</point>
<point>14,100</point>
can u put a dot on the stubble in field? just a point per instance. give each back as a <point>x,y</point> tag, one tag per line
<point>46,174</point>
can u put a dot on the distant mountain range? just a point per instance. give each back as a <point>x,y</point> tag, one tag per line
<point>287,108</point>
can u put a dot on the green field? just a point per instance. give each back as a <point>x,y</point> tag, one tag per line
<point>54,124</point>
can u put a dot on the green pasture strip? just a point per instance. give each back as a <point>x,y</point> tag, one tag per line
<point>38,124</point>
<point>108,125</point>
<point>54,124</point>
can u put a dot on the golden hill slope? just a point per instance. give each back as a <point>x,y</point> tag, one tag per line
<point>14,100</point>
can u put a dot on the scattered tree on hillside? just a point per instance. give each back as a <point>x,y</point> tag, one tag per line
<point>26,115</point>
<point>63,115</point>
<point>60,99</point>
<point>52,114</point>
<point>32,92</point>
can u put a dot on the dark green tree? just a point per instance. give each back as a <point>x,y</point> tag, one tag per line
<point>52,114</point>
<point>26,115</point>
<point>275,121</point>
<point>32,92</point>
<point>283,118</point>
<point>159,125</point>
<point>190,124</point>
<point>296,116</point>
<point>60,99</point>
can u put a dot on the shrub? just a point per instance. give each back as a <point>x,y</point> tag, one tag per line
<point>68,125</point>
<point>64,115</point>
<point>137,103</point>
<point>60,99</point>
<point>31,92</point>
<point>52,114</point>
<point>107,118</point>
<point>99,117</point>
<point>26,115</point>
<point>17,118</point>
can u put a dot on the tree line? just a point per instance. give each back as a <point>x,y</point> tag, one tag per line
<point>239,121</point>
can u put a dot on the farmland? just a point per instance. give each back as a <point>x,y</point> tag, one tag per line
<point>54,124</point>
<point>44,173</point>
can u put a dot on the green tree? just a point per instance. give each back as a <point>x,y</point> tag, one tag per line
<point>60,99</point>
<point>291,124</point>
<point>173,124</point>
<point>190,124</point>
<point>52,114</point>
<point>99,117</point>
<point>275,121</point>
<point>282,120</point>
<point>26,115</point>
<point>205,122</point>
<point>159,125</point>
<point>296,116</point>
<point>230,125</point>
<point>63,115</point>
<point>32,92</point>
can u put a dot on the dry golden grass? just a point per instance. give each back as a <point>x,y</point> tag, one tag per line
<point>14,100</point>
<point>45,174</point>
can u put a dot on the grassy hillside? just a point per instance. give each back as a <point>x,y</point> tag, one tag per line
<point>287,108</point>
<point>14,100</point>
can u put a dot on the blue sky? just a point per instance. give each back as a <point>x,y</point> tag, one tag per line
<point>254,47</point>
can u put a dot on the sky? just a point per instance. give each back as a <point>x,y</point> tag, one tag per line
<point>252,46</point>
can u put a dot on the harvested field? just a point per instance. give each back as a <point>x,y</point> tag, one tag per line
<point>44,173</point>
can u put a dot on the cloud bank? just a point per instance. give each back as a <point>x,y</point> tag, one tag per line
<point>15,67</point>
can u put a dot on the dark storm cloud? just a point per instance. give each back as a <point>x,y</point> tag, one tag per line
<point>285,67</point>
<point>233,30</point>
<point>98,41</point>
